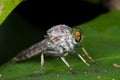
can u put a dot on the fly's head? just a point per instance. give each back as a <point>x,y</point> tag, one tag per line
<point>77,35</point>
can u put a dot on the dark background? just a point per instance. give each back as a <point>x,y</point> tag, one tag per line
<point>48,13</point>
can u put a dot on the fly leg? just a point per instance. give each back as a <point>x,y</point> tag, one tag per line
<point>53,52</point>
<point>57,53</point>
<point>41,66</point>
<point>68,65</point>
<point>81,58</point>
<point>42,62</point>
<point>86,53</point>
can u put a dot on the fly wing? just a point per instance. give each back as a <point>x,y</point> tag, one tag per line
<point>32,51</point>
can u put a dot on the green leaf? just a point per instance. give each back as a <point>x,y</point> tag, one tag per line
<point>101,40</point>
<point>6,7</point>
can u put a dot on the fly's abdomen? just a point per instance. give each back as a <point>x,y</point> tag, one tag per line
<point>32,51</point>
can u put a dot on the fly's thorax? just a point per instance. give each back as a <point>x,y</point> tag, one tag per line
<point>61,38</point>
<point>59,30</point>
<point>67,43</point>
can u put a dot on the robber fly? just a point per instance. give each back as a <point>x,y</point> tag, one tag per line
<point>60,40</point>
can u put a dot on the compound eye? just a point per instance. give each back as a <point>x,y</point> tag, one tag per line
<point>77,35</point>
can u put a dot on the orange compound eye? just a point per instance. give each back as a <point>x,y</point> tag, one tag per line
<point>77,35</point>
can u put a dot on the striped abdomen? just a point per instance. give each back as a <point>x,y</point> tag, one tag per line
<point>32,51</point>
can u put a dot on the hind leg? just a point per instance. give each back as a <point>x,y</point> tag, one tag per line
<point>41,66</point>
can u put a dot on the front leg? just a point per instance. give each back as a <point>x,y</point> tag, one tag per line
<point>85,52</point>
<point>80,57</point>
